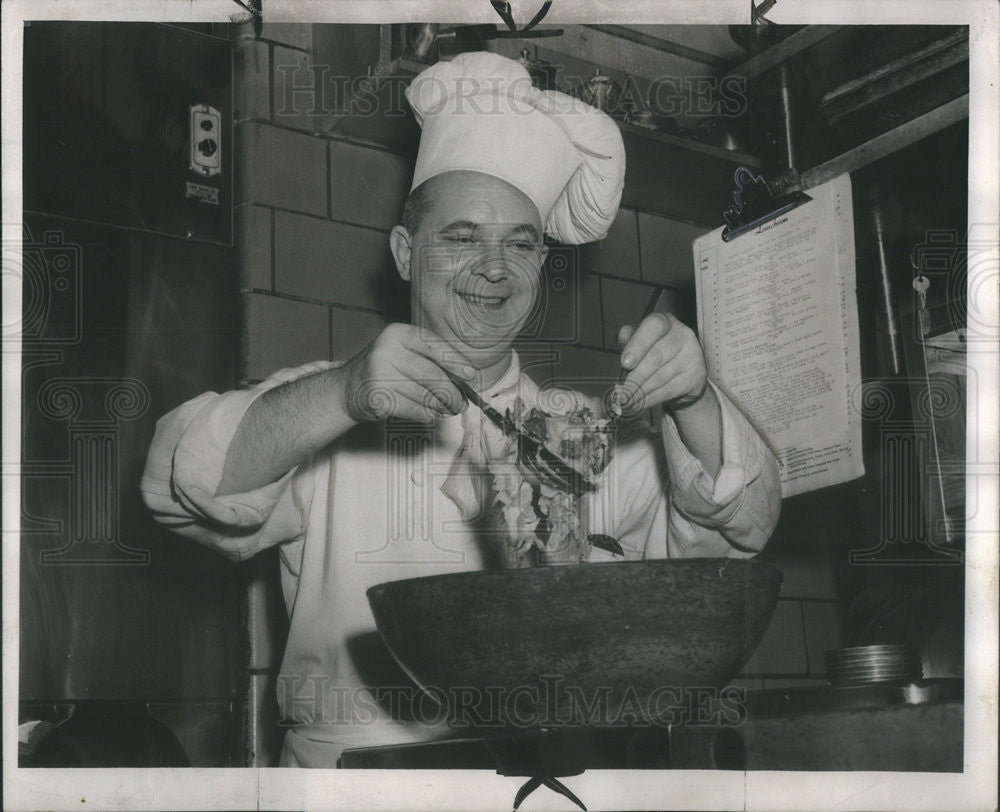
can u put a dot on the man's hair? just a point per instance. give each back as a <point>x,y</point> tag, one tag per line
<point>418,203</point>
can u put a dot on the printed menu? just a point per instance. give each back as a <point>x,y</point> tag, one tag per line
<point>778,318</point>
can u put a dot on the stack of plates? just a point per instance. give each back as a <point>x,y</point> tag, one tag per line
<point>865,665</point>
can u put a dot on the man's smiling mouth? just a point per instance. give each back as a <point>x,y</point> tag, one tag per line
<point>483,300</point>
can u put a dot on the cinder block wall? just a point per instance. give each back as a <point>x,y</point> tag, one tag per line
<point>313,214</point>
<point>312,220</point>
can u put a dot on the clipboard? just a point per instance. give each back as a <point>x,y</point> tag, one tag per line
<point>777,317</point>
<point>753,203</point>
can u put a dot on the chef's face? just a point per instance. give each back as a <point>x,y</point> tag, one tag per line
<point>474,263</point>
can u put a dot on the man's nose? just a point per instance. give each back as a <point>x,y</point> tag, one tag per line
<point>491,266</point>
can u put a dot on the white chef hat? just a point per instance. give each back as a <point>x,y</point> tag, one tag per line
<point>480,112</point>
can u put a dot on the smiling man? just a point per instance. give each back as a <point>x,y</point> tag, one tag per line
<point>375,468</point>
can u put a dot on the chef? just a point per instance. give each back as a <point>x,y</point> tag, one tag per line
<point>376,468</point>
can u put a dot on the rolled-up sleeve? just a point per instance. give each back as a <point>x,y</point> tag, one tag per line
<point>184,468</point>
<point>733,513</point>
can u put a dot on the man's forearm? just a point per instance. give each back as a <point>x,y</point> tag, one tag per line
<point>283,427</point>
<point>699,425</point>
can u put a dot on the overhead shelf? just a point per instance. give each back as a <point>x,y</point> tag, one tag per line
<point>680,142</point>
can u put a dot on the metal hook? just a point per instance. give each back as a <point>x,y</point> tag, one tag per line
<point>553,784</point>
<point>757,12</point>
<point>502,8</point>
<point>256,10</point>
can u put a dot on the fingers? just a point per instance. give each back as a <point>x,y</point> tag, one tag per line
<point>676,385</point>
<point>423,381</point>
<point>399,396</point>
<point>423,343</point>
<point>419,403</point>
<point>665,363</point>
<point>655,361</point>
<point>624,334</point>
<point>650,330</point>
<point>645,352</point>
<point>405,375</point>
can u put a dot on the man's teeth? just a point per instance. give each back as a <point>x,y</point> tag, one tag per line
<point>489,300</point>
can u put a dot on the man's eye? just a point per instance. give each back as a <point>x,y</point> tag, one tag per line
<point>522,245</point>
<point>461,239</point>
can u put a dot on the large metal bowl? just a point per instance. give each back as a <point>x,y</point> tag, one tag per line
<point>597,644</point>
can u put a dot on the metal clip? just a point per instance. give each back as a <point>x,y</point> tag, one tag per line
<point>753,203</point>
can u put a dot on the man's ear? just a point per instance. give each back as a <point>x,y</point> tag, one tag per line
<point>400,243</point>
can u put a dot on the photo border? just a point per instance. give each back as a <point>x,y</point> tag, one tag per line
<point>246,788</point>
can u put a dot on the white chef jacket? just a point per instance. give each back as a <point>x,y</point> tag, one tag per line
<point>370,508</point>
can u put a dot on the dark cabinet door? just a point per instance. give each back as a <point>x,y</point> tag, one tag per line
<point>107,125</point>
<point>129,309</point>
<point>112,605</point>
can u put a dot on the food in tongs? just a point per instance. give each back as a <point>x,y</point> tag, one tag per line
<point>578,438</point>
<point>539,501</point>
<point>549,461</point>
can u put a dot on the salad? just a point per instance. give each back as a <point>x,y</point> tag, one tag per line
<point>542,523</point>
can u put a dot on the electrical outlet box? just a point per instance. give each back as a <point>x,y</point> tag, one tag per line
<point>206,140</point>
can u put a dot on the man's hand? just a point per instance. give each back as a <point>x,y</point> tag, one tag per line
<point>402,374</point>
<point>667,367</point>
<point>665,364</point>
